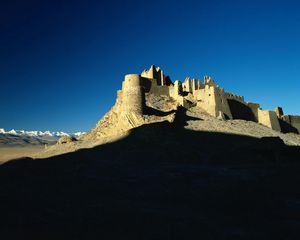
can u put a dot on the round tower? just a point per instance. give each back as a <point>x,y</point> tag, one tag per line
<point>133,95</point>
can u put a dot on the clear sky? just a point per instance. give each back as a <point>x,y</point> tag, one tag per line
<point>61,62</point>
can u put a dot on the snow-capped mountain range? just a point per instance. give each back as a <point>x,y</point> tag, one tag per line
<point>22,137</point>
<point>39,133</point>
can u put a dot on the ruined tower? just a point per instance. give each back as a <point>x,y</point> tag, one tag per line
<point>133,95</point>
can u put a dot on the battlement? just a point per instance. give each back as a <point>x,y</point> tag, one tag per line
<point>209,81</point>
<point>157,74</point>
<point>191,84</point>
<point>234,97</point>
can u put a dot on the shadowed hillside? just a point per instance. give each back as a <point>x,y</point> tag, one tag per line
<point>160,182</point>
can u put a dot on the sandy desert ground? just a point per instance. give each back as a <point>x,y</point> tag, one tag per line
<point>13,152</point>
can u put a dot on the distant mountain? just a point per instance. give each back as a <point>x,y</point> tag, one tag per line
<point>22,137</point>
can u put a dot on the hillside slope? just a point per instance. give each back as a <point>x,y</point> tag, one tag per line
<point>197,120</point>
<point>160,181</point>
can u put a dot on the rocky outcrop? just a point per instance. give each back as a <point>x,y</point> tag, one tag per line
<point>66,139</point>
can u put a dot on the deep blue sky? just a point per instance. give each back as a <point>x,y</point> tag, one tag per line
<point>61,62</point>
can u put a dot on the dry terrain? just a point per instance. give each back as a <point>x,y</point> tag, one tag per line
<point>194,119</point>
<point>160,181</point>
<point>13,152</point>
<point>180,175</point>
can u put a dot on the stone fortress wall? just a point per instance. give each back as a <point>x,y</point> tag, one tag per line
<point>295,121</point>
<point>133,94</point>
<point>204,94</point>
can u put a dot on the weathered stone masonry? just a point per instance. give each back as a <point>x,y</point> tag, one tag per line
<point>204,94</point>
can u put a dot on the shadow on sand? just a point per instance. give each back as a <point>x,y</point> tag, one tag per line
<point>161,182</point>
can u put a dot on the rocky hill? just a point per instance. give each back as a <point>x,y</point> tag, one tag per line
<point>152,97</point>
<point>161,165</point>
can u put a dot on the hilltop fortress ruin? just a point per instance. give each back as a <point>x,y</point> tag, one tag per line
<point>134,106</point>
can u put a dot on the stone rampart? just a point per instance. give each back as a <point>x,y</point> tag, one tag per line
<point>269,119</point>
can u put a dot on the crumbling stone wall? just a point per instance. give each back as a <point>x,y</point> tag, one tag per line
<point>155,73</point>
<point>213,101</point>
<point>234,97</point>
<point>293,120</point>
<point>254,108</point>
<point>129,110</point>
<point>133,100</point>
<point>159,90</point>
<point>241,110</point>
<point>269,119</point>
<point>133,95</point>
<point>211,98</point>
<point>191,85</point>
